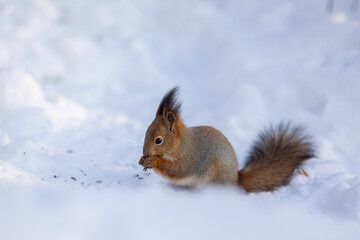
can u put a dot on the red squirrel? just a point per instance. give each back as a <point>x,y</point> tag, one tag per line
<point>195,156</point>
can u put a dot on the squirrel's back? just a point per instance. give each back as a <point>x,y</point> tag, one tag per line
<point>211,154</point>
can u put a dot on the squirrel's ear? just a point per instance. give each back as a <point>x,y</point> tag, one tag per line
<point>169,103</point>
<point>170,120</point>
<point>169,109</point>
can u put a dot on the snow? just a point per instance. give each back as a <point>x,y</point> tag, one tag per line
<point>80,82</point>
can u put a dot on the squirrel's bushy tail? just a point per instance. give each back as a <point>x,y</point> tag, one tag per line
<point>274,157</point>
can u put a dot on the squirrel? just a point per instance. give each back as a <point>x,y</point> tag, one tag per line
<point>196,156</point>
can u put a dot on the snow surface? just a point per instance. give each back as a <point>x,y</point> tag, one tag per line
<point>80,82</point>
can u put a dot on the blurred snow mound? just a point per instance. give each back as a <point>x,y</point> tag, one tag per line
<point>19,90</point>
<point>22,98</point>
<point>11,174</point>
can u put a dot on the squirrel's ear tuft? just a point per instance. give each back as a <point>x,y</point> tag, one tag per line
<point>170,103</point>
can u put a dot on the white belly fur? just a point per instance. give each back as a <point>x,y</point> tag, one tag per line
<point>191,181</point>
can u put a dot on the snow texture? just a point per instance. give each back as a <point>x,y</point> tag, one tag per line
<point>81,80</point>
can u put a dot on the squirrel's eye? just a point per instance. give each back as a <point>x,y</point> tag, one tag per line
<point>158,140</point>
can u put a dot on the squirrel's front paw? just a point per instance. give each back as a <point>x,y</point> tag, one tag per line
<point>148,162</point>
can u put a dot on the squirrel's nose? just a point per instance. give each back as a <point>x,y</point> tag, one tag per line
<point>147,153</point>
